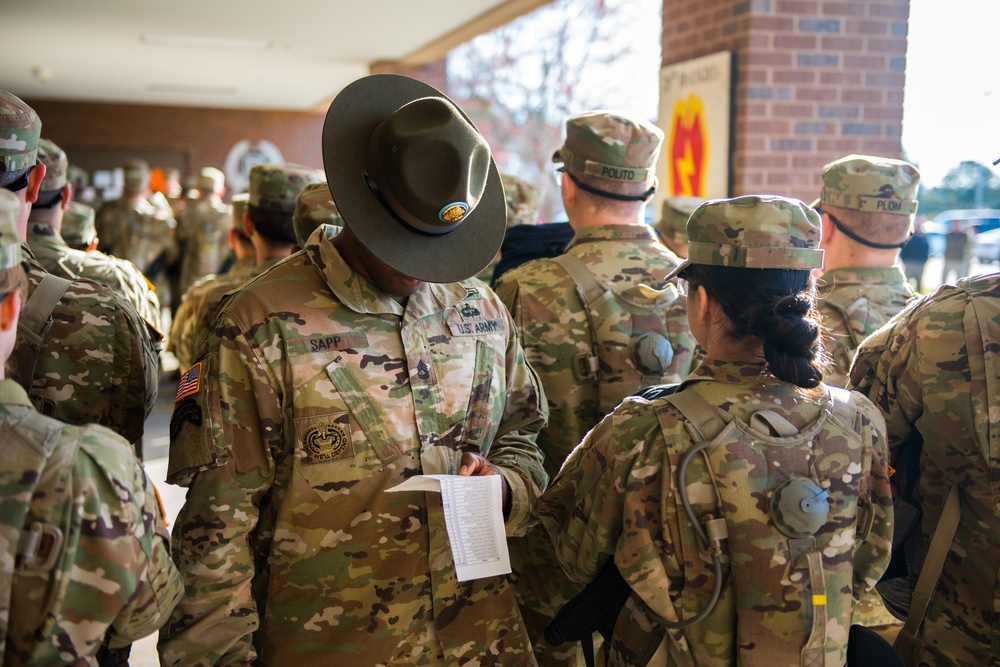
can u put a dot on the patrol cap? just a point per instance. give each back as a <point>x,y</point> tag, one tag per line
<point>136,175</point>
<point>78,228</point>
<point>20,128</point>
<point>56,165</point>
<point>524,200</point>
<point>211,179</point>
<point>674,216</point>
<point>10,242</point>
<point>870,183</point>
<point>754,232</point>
<point>77,176</point>
<point>239,208</point>
<point>276,187</point>
<point>314,208</point>
<point>607,146</point>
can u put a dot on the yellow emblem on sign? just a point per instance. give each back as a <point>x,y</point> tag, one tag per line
<point>325,441</point>
<point>454,212</point>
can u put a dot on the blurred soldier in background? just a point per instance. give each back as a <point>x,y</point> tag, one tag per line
<point>672,226</point>
<point>202,230</point>
<point>524,201</point>
<point>78,229</point>
<point>314,208</point>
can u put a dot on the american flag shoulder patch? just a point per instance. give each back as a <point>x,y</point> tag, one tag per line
<point>190,382</point>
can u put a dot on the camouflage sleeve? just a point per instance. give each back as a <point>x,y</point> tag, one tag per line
<point>143,375</point>
<point>182,331</point>
<point>514,449</point>
<point>126,545</point>
<point>231,424</point>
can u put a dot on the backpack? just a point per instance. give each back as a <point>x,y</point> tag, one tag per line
<point>630,342</point>
<point>727,444</point>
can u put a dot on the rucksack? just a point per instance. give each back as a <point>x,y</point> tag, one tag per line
<point>630,341</point>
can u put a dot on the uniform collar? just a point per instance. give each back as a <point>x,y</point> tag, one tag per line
<point>11,393</point>
<point>742,372</point>
<point>613,233</point>
<point>42,229</point>
<point>863,275</point>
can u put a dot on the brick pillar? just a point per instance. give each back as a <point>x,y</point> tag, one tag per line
<point>815,80</point>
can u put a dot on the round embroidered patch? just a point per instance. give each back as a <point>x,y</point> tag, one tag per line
<point>325,440</point>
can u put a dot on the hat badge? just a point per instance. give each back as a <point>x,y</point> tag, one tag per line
<point>453,212</point>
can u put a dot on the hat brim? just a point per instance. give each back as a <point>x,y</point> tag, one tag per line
<point>680,267</point>
<point>352,118</point>
<point>816,202</point>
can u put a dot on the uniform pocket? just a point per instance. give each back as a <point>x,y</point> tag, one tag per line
<point>332,452</point>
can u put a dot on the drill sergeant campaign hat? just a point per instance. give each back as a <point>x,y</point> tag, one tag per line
<point>56,165</point>
<point>607,147</point>
<point>10,241</point>
<point>314,208</point>
<point>871,184</point>
<point>674,217</point>
<point>524,200</point>
<point>754,232</point>
<point>413,178</point>
<point>211,179</point>
<point>78,230</point>
<point>20,128</point>
<point>136,175</point>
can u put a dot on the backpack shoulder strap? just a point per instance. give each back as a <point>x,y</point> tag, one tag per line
<point>703,419</point>
<point>34,322</point>
<point>845,409</point>
<point>592,292</point>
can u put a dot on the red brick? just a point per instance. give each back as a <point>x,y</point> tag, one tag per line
<point>794,76</point>
<point>795,41</point>
<point>765,126</point>
<point>772,23</point>
<point>838,147</point>
<point>794,111</point>
<point>894,97</point>
<point>883,113</point>
<point>840,78</point>
<point>810,162</point>
<point>899,11</point>
<point>763,161</point>
<point>864,62</point>
<point>843,9</point>
<point>895,46</point>
<point>863,96</point>
<point>844,44</point>
<point>816,94</point>
<point>770,58</point>
<point>867,28</point>
<point>797,7</point>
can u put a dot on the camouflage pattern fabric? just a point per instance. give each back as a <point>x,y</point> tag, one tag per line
<point>139,232</point>
<point>20,129</point>
<point>674,215</point>
<point>112,574</point>
<point>298,421</point>
<point>78,230</point>
<point>97,363</point>
<point>854,302</point>
<point>58,258</point>
<point>934,373</point>
<point>616,498</point>
<point>552,321</point>
<point>202,231</point>
<point>56,165</point>
<point>610,147</point>
<point>315,207</point>
<point>524,200</point>
<point>870,183</point>
<point>197,311</point>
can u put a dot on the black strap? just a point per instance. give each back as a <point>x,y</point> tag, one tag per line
<point>610,195</point>
<point>854,237</point>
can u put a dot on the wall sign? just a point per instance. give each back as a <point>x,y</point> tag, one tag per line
<point>242,156</point>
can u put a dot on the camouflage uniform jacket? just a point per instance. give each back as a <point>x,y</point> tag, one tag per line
<point>97,363</point>
<point>317,392</point>
<point>854,303</point>
<point>141,233</point>
<point>120,275</point>
<point>201,302</point>
<point>202,230</point>
<point>615,498</point>
<point>934,372</point>
<point>113,572</point>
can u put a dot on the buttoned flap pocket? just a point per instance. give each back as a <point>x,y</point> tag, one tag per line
<point>332,452</point>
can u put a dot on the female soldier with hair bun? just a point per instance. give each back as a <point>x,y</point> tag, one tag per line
<point>749,510</point>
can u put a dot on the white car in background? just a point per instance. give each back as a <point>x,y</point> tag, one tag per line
<point>987,246</point>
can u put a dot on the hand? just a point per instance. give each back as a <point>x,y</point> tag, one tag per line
<point>476,465</point>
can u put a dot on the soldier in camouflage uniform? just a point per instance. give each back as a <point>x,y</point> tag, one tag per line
<point>934,373</point>
<point>344,370</point>
<point>85,549</point>
<point>52,252</point>
<point>524,201</point>
<point>868,205</point>
<point>672,226</point>
<point>619,496</point>
<point>202,229</point>
<point>268,226</point>
<point>314,208</point>
<point>134,228</point>
<point>608,177</point>
<point>83,353</point>
<point>78,229</point>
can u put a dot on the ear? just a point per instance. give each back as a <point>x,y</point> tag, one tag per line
<point>829,230</point>
<point>35,179</point>
<point>656,184</point>
<point>231,238</point>
<point>67,196</point>
<point>247,226</point>
<point>569,191</point>
<point>10,308</point>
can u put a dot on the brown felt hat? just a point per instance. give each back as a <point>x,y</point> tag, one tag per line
<point>413,178</point>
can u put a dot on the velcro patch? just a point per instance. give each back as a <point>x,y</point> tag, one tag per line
<point>346,341</point>
<point>327,439</point>
<point>478,328</point>
<point>190,382</point>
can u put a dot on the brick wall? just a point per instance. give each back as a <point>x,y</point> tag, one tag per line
<point>196,137</point>
<point>815,80</point>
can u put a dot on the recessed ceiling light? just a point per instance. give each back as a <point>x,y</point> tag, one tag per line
<point>192,42</point>
<point>186,88</point>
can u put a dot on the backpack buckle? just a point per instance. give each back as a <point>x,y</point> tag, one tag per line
<point>39,547</point>
<point>585,367</point>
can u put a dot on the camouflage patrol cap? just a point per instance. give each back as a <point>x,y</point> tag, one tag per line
<point>276,187</point>
<point>20,128</point>
<point>211,179</point>
<point>314,208</point>
<point>524,200</point>
<point>10,241</point>
<point>754,232</point>
<point>136,175</point>
<point>56,165</point>
<point>239,208</point>
<point>674,216</point>
<point>870,183</point>
<point>78,176</point>
<point>78,228</point>
<point>611,147</point>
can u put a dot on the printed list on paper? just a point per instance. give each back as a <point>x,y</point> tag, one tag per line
<point>473,517</point>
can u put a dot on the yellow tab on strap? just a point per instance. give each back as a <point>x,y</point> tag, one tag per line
<point>819,600</point>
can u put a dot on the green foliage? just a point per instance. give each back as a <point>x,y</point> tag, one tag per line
<point>969,185</point>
